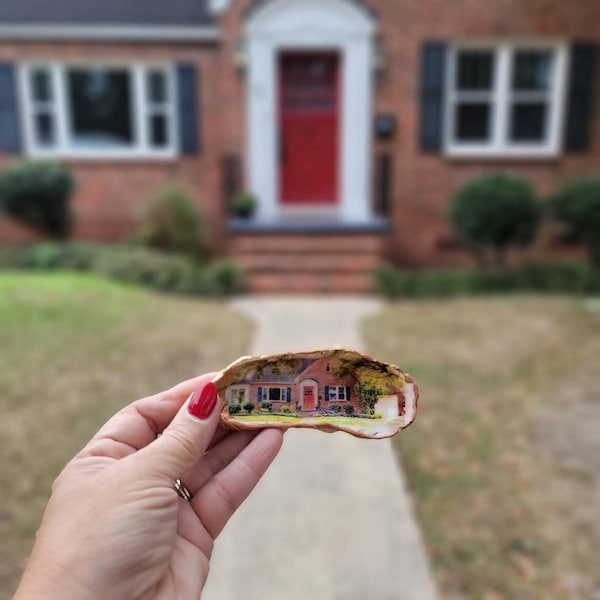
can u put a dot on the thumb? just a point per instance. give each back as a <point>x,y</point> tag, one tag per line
<point>187,437</point>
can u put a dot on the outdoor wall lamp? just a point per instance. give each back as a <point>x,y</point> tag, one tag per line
<point>379,61</point>
<point>240,57</point>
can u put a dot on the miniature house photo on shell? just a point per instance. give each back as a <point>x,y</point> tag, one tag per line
<point>331,390</point>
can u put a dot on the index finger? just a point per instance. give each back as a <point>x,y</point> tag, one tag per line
<point>139,423</point>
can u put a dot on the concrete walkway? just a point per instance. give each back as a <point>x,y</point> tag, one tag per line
<point>331,520</point>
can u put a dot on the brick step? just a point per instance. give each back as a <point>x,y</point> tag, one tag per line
<point>293,243</point>
<point>308,262</point>
<point>310,283</point>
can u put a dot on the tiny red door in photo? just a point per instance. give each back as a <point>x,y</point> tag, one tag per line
<point>309,400</point>
<point>308,128</point>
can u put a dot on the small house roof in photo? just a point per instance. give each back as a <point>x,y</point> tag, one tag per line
<point>106,12</point>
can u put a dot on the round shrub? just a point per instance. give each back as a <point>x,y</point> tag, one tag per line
<point>171,222</point>
<point>577,206</point>
<point>222,277</point>
<point>38,194</point>
<point>248,407</point>
<point>234,408</point>
<point>349,409</point>
<point>493,212</point>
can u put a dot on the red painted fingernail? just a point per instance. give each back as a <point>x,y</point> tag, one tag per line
<point>203,401</point>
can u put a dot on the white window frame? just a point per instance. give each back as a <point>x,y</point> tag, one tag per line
<point>282,395</point>
<point>141,109</point>
<point>236,390</point>
<point>337,389</point>
<point>499,144</point>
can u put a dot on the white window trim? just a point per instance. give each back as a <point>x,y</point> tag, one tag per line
<point>141,150</point>
<point>239,388</point>
<point>282,389</point>
<point>337,393</point>
<point>499,146</point>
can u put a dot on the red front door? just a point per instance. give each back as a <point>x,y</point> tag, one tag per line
<point>308,400</point>
<point>309,140</point>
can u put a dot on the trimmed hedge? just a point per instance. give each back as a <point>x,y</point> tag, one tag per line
<point>546,277</point>
<point>166,272</point>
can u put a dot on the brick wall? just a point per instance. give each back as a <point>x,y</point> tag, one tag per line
<point>110,193</point>
<point>423,182</point>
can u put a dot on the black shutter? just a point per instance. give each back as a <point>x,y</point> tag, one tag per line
<point>327,393</point>
<point>432,94</point>
<point>580,96</point>
<point>10,134</point>
<point>187,86</point>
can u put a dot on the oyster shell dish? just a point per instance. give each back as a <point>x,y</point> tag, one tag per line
<point>330,390</point>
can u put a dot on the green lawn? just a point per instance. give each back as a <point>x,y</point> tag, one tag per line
<point>74,349</point>
<point>503,459</point>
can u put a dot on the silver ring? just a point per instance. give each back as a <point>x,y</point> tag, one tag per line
<point>182,490</point>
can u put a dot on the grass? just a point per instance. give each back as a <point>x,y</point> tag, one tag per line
<point>503,459</point>
<point>74,350</point>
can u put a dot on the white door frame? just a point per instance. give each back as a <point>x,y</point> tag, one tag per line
<point>338,25</point>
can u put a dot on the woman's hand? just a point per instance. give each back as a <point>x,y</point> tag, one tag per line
<point>116,528</point>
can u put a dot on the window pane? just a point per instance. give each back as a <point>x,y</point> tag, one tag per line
<point>274,394</point>
<point>100,101</point>
<point>40,85</point>
<point>473,122</point>
<point>44,130</point>
<point>528,122</point>
<point>532,70</point>
<point>157,87</point>
<point>158,131</point>
<point>475,70</point>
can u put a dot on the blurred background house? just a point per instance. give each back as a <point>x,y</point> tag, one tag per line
<point>350,122</point>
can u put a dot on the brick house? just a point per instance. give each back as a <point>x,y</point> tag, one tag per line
<point>313,388</point>
<point>352,121</point>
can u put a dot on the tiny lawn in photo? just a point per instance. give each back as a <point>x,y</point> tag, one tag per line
<point>331,390</point>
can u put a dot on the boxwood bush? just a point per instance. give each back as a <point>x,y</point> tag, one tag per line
<point>577,206</point>
<point>494,212</point>
<point>38,194</point>
<point>171,223</point>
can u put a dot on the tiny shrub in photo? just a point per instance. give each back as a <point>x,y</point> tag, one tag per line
<point>248,407</point>
<point>349,410</point>
<point>171,223</point>
<point>234,408</point>
<point>335,408</point>
<point>494,212</point>
<point>267,406</point>
<point>286,411</point>
<point>38,194</point>
<point>577,206</point>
